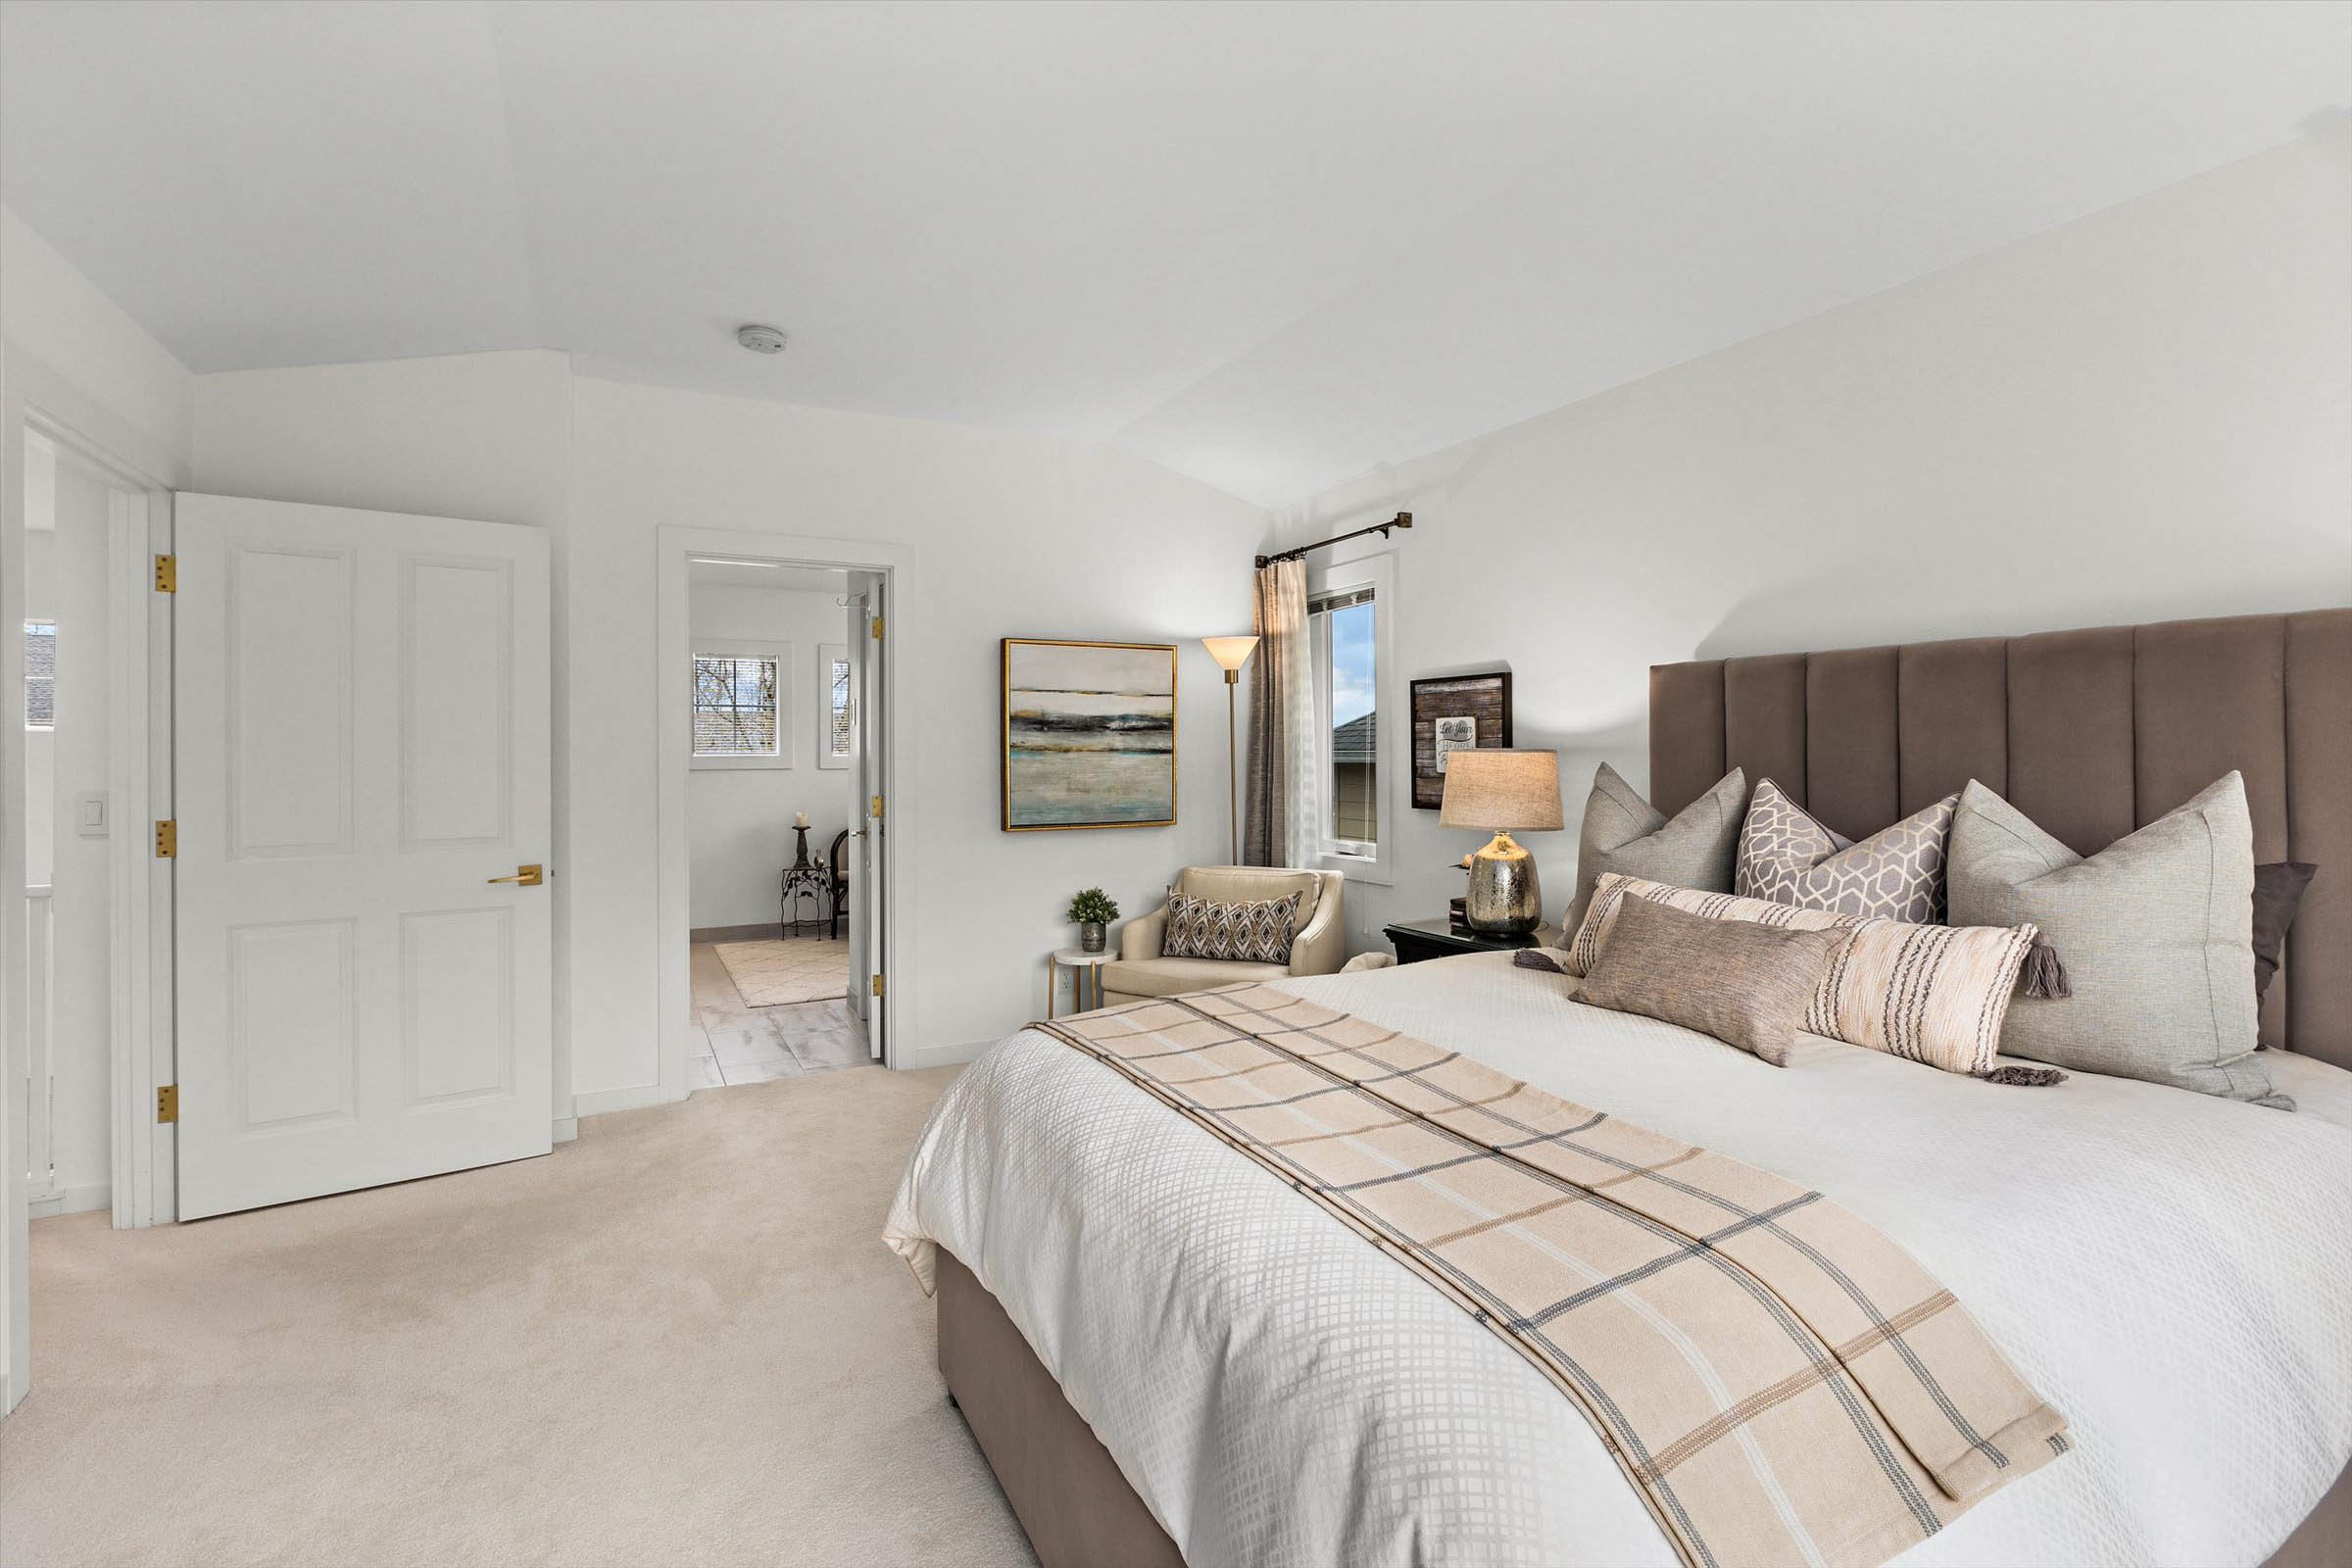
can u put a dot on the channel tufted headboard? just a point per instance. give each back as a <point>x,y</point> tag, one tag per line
<point>2089,733</point>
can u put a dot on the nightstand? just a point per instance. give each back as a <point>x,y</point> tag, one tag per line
<point>1415,940</point>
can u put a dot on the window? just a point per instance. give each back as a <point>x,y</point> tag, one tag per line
<point>40,674</point>
<point>1346,628</point>
<point>834,745</point>
<point>741,718</point>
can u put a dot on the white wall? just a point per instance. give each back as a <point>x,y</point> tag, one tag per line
<point>1010,535</point>
<point>80,1125</point>
<point>739,826</point>
<point>2140,415</point>
<point>1014,535</point>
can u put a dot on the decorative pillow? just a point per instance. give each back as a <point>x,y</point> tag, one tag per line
<point>1748,985</point>
<point>1931,993</point>
<point>2155,931</point>
<point>1788,856</point>
<point>2277,890</point>
<point>1624,833</point>
<point>1246,931</point>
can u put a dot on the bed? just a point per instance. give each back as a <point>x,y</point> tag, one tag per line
<point>2167,1268</point>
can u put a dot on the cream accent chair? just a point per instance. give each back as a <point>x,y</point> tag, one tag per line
<point>1319,947</point>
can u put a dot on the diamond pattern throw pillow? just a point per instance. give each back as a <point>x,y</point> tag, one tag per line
<point>1248,931</point>
<point>1789,856</point>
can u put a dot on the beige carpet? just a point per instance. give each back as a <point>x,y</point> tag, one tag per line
<point>799,969</point>
<point>677,1341</point>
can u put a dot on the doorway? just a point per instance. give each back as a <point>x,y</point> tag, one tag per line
<point>775,750</point>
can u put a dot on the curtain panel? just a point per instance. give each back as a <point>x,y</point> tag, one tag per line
<point>1282,824</point>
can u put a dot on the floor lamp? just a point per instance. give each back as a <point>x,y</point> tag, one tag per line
<point>1231,654</point>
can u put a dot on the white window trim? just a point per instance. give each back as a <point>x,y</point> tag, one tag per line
<point>826,654</point>
<point>1377,572</point>
<point>743,648</point>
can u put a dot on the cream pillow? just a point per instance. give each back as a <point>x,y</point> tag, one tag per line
<point>1930,993</point>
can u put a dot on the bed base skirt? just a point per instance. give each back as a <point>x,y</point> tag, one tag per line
<point>1079,1510</point>
<point>1064,1484</point>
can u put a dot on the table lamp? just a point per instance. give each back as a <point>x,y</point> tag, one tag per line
<point>1503,791</point>
<point>1231,654</point>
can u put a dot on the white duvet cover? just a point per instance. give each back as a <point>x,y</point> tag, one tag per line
<point>2172,1271</point>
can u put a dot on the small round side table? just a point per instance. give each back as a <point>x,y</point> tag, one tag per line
<point>1086,978</point>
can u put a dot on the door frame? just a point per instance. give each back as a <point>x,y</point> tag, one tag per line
<point>673,649</point>
<point>34,396</point>
<point>141,1046</point>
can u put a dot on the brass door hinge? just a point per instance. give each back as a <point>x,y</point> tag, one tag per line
<point>167,839</point>
<point>878,983</point>
<point>877,629</point>
<point>166,1103</point>
<point>876,812</point>
<point>167,574</point>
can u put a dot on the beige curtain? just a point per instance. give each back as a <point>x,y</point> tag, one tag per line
<point>1284,821</point>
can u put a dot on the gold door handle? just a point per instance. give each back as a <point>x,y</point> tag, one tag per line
<point>526,876</point>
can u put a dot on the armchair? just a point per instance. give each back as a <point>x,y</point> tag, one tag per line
<point>1319,947</point>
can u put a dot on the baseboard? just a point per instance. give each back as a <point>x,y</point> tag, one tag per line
<point>918,1056</point>
<point>764,931</point>
<point>602,1102</point>
<point>71,1200</point>
<point>567,1128</point>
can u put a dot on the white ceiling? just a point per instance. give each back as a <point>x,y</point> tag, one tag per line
<point>1271,246</point>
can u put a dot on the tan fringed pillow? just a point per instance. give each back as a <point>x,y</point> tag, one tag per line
<point>1931,993</point>
<point>1746,984</point>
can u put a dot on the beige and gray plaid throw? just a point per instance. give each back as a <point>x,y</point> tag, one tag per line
<point>1781,1382</point>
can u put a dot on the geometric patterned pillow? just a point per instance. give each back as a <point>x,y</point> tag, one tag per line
<point>1937,993</point>
<point>1788,855</point>
<point>1251,931</point>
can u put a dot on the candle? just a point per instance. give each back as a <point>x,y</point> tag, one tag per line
<point>800,819</point>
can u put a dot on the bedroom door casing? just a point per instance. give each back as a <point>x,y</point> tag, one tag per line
<point>362,825</point>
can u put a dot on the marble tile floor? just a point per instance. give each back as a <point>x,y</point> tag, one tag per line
<point>736,1043</point>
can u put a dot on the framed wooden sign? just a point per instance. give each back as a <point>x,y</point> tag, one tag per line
<point>1451,714</point>
<point>1090,734</point>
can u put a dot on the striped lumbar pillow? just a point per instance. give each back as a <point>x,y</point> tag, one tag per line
<point>1932,992</point>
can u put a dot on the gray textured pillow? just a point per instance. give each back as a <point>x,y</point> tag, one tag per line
<point>1624,833</point>
<point>2156,933</point>
<point>1748,985</point>
<point>1789,857</point>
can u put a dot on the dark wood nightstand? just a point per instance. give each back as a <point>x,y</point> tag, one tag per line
<point>1415,940</point>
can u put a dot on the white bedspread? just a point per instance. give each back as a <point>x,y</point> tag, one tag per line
<point>2172,1271</point>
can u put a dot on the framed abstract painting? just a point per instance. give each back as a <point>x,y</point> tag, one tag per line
<point>1090,734</point>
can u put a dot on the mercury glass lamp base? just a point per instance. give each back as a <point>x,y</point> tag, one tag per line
<point>1504,899</point>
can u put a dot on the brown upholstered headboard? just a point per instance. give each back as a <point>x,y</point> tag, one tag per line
<point>2089,733</point>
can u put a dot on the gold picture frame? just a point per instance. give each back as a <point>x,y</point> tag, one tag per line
<point>1082,745</point>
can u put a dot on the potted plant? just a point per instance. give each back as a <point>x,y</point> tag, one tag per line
<point>1092,911</point>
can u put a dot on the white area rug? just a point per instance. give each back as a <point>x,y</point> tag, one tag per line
<point>797,970</point>
<point>678,1341</point>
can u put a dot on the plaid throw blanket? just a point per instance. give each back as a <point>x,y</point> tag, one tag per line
<point>1780,1382</point>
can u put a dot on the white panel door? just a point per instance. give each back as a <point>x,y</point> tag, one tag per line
<point>868,907</point>
<point>362,759</point>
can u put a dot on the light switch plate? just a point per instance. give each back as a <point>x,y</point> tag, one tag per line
<point>89,813</point>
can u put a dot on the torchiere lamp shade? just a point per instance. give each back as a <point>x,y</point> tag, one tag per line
<point>1230,653</point>
<point>1514,791</point>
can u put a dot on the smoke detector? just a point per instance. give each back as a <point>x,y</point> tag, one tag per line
<point>761,339</point>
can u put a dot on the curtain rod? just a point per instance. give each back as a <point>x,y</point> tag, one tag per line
<point>1402,520</point>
